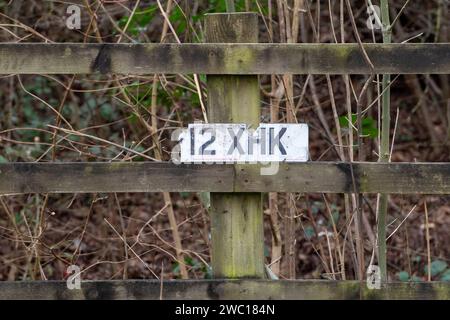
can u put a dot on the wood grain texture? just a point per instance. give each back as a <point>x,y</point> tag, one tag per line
<point>340,177</point>
<point>237,233</point>
<point>113,177</point>
<point>326,177</point>
<point>222,289</point>
<point>214,58</point>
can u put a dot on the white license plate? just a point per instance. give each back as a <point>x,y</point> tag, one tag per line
<point>236,143</point>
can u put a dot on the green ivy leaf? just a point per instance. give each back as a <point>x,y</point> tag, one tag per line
<point>106,111</point>
<point>403,276</point>
<point>446,275</point>
<point>208,273</point>
<point>309,232</point>
<point>437,267</point>
<point>176,268</point>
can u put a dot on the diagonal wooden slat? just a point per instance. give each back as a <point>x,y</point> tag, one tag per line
<point>327,177</point>
<point>213,58</point>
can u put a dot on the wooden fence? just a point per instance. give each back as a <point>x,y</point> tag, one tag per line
<point>232,60</point>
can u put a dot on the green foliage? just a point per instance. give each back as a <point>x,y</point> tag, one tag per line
<point>139,21</point>
<point>369,125</point>
<point>309,232</point>
<point>195,265</point>
<point>107,112</point>
<point>316,207</point>
<point>24,152</point>
<point>437,267</point>
<point>185,195</point>
<point>35,113</point>
<point>334,214</point>
<point>266,251</point>
<point>403,276</point>
<point>205,198</point>
<point>100,106</point>
<point>18,218</point>
<point>178,20</point>
<point>218,6</point>
<point>194,101</point>
<point>439,271</point>
<point>446,275</point>
<point>166,99</point>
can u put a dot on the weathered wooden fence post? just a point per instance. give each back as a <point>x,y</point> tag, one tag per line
<point>236,219</point>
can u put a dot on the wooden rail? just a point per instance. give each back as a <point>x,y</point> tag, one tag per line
<point>215,58</point>
<point>223,289</point>
<point>326,177</point>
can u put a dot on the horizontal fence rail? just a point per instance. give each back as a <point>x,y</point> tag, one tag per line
<point>214,58</point>
<point>326,177</point>
<point>223,289</point>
